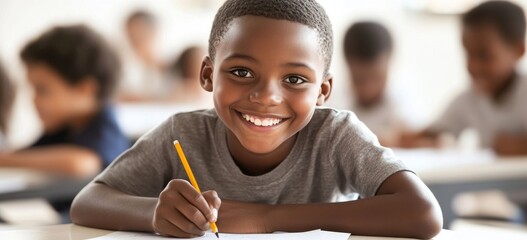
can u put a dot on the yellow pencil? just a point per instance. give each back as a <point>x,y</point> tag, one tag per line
<point>179,150</point>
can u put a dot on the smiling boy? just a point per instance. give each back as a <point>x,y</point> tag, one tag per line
<point>269,159</point>
<point>493,36</point>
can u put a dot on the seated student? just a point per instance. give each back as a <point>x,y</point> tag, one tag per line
<point>494,41</point>
<point>368,48</point>
<point>6,101</point>
<point>186,70</point>
<point>73,73</point>
<point>276,161</point>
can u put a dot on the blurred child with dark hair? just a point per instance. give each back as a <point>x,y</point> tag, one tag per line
<point>73,73</point>
<point>144,77</point>
<point>494,41</point>
<point>368,48</point>
<point>7,95</point>
<point>186,72</point>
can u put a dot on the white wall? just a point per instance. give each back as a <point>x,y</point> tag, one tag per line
<point>428,67</point>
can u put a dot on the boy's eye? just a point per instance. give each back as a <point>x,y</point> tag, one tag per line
<point>242,73</point>
<point>295,80</point>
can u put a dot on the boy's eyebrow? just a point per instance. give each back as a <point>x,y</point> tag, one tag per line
<point>249,58</point>
<point>242,56</point>
<point>298,64</point>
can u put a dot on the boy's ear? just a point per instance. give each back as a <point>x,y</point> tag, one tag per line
<point>325,89</point>
<point>88,86</point>
<point>205,76</point>
<point>521,50</point>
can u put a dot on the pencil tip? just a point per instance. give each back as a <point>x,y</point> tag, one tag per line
<point>217,235</point>
<point>176,141</point>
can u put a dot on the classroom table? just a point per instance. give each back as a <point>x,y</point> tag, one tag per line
<point>48,196</point>
<point>17,183</point>
<point>450,172</point>
<point>489,229</point>
<point>74,232</point>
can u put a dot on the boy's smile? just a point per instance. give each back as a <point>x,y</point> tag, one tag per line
<point>267,77</point>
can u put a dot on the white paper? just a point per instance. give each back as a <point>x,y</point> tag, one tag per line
<point>316,234</point>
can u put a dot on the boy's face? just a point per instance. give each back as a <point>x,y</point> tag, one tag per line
<point>369,78</point>
<point>56,101</point>
<point>490,59</point>
<point>267,77</point>
<point>141,35</point>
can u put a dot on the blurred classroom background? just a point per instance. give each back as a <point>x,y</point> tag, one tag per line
<point>428,70</point>
<point>428,66</point>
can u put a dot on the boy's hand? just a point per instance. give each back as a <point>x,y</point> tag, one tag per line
<point>181,211</point>
<point>509,144</point>
<point>242,217</point>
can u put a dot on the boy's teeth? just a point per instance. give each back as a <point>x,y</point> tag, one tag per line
<point>265,122</point>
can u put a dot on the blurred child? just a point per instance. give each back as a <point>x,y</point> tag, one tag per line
<point>144,74</point>
<point>186,70</point>
<point>73,74</point>
<point>368,48</point>
<point>7,94</point>
<point>276,160</point>
<point>494,42</point>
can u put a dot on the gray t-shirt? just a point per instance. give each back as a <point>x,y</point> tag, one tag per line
<point>471,109</point>
<point>334,154</point>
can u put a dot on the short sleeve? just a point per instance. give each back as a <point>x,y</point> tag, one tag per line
<point>363,162</point>
<point>107,141</point>
<point>451,121</point>
<point>146,168</point>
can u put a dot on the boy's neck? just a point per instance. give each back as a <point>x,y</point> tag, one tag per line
<point>80,122</point>
<point>254,164</point>
<point>505,87</point>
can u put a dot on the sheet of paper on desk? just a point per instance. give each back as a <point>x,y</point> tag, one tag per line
<point>316,234</point>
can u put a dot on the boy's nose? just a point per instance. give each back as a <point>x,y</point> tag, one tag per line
<point>266,94</point>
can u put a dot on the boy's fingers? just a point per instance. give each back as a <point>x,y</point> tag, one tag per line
<point>176,218</point>
<point>166,228</point>
<point>192,213</point>
<point>195,198</point>
<point>214,202</point>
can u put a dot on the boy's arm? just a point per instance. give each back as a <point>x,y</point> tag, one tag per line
<point>509,144</point>
<point>403,207</point>
<point>179,210</point>
<point>61,159</point>
<point>101,206</point>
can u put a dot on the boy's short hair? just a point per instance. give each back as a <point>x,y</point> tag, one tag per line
<point>76,52</point>
<point>144,16</point>
<point>508,19</point>
<point>306,12</point>
<point>7,95</point>
<point>366,41</point>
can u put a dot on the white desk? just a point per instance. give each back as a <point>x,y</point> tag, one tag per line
<point>18,183</point>
<point>447,166</point>
<point>490,229</point>
<point>74,232</point>
<point>28,196</point>
<point>449,173</point>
